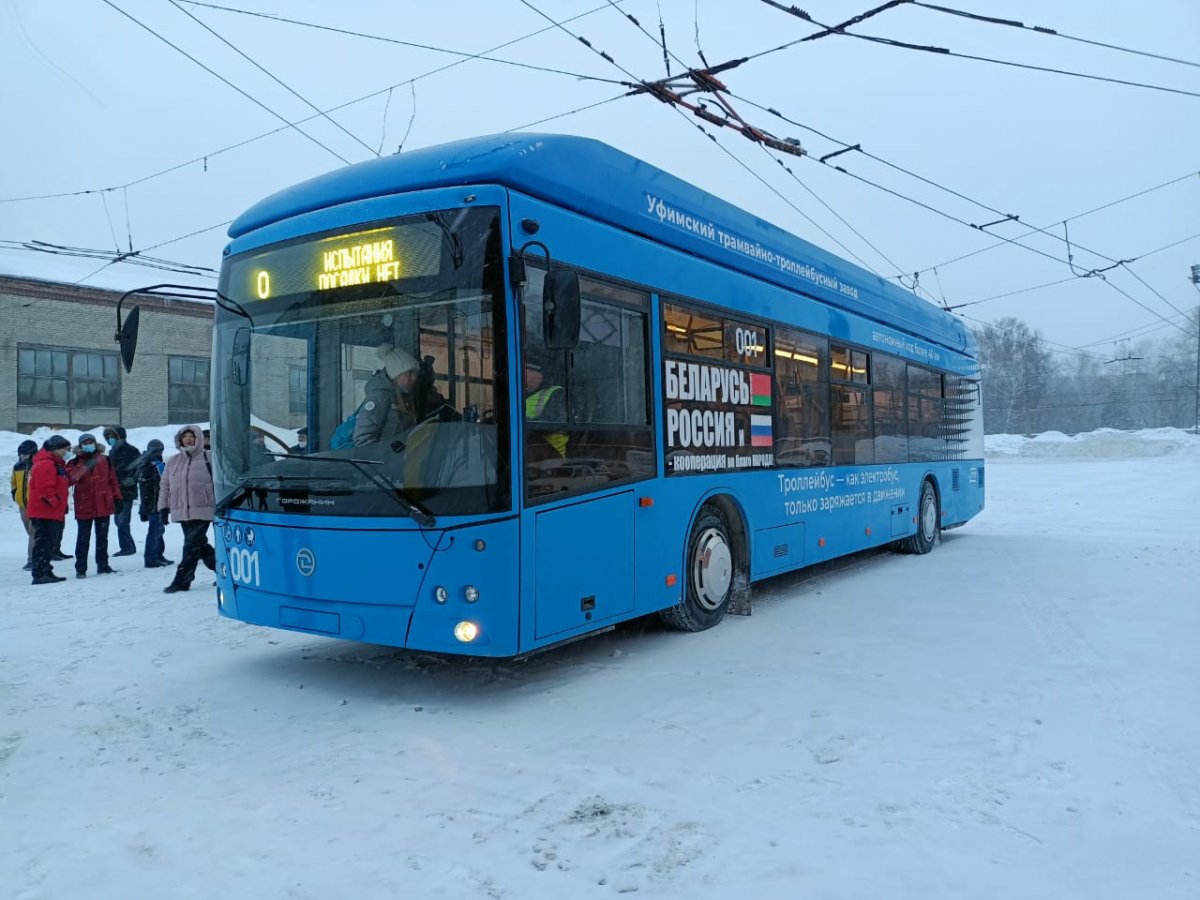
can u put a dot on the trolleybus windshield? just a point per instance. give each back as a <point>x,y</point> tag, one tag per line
<point>381,344</point>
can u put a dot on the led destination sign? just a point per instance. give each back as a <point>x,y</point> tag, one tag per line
<point>377,256</point>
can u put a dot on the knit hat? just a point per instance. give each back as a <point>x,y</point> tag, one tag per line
<point>154,445</point>
<point>26,448</point>
<point>84,438</point>
<point>56,442</point>
<point>395,361</point>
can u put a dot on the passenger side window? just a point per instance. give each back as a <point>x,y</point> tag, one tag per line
<point>587,410</point>
<point>850,403</point>
<point>802,391</point>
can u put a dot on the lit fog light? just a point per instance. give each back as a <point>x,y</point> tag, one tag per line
<point>471,593</point>
<point>466,631</point>
<point>220,598</point>
<point>440,594</point>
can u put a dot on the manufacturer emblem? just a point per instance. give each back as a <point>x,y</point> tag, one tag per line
<point>306,562</point>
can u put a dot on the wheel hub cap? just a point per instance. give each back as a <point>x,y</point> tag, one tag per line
<point>712,569</point>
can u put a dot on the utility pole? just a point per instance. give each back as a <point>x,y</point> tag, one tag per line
<point>1196,284</point>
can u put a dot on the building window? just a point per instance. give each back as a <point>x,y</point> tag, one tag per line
<point>297,390</point>
<point>187,389</point>
<point>76,384</point>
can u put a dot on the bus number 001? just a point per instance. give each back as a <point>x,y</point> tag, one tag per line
<point>243,566</point>
<point>746,342</point>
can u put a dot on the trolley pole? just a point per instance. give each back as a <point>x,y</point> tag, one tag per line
<point>1196,284</point>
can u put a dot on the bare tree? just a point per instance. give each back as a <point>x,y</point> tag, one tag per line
<point>1017,371</point>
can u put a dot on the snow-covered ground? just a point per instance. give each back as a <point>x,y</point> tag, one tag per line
<point>1012,716</point>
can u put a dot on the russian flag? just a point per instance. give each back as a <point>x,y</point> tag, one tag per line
<point>760,390</point>
<point>760,431</point>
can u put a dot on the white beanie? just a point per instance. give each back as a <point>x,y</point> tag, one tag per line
<point>396,362</point>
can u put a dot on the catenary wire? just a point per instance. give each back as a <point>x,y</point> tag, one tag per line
<point>239,144</point>
<point>225,81</point>
<point>378,37</point>
<point>941,51</point>
<point>1050,32</point>
<point>287,87</point>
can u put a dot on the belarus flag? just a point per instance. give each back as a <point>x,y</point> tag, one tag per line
<point>760,389</point>
<point>760,431</point>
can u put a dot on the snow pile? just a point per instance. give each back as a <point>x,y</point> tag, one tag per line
<point>1104,443</point>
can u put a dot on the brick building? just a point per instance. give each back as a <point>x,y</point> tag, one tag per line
<point>61,367</point>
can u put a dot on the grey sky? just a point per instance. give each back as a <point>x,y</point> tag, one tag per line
<point>92,100</point>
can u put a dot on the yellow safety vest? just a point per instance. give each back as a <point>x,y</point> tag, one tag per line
<point>535,405</point>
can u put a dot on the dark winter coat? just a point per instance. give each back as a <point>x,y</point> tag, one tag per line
<point>186,489</point>
<point>149,478</point>
<point>386,411</point>
<point>48,487</point>
<point>122,455</point>
<point>96,488</point>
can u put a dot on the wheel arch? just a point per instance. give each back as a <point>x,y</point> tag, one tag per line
<point>735,515</point>
<point>932,478</point>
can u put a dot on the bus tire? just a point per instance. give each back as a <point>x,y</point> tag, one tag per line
<point>709,574</point>
<point>928,517</point>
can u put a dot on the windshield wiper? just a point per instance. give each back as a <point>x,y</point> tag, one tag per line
<point>416,512</point>
<point>237,495</point>
<point>274,483</point>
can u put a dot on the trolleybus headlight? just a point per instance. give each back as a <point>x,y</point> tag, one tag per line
<point>224,570</point>
<point>466,631</point>
<point>220,598</point>
<point>440,594</point>
<point>471,593</point>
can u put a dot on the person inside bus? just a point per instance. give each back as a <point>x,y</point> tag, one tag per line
<point>301,446</point>
<point>544,403</point>
<point>394,402</point>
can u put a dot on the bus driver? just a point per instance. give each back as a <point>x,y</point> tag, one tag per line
<point>398,396</point>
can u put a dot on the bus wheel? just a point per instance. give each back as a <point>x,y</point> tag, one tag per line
<point>927,523</point>
<point>710,569</point>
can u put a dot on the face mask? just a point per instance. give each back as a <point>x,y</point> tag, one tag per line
<point>112,442</point>
<point>88,448</point>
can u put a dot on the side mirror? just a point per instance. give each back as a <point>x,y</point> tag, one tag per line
<point>239,364</point>
<point>560,310</point>
<point>127,335</point>
<point>127,332</point>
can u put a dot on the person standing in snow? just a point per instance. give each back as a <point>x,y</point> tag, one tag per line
<point>186,494</point>
<point>47,505</point>
<point>97,496</point>
<point>123,456</point>
<point>149,467</point>
<point>20,493</point>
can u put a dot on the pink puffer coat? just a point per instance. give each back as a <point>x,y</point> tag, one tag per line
<point>186,489</point>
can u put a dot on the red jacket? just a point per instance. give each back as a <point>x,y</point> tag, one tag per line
<point>96,488</point>
<point>47,487</point>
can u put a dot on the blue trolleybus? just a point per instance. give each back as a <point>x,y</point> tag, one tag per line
<point>495,395</point>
